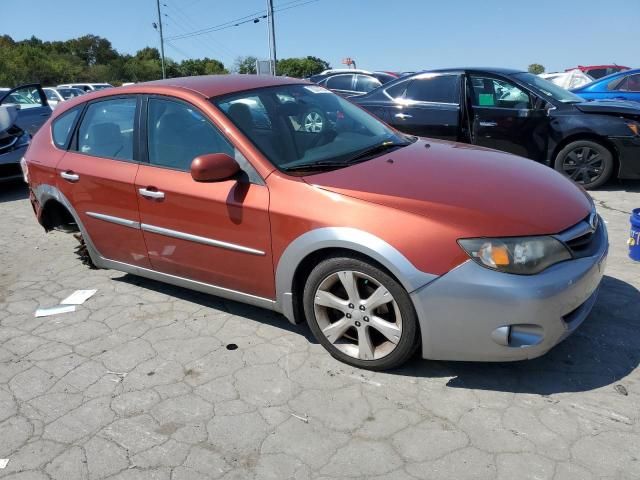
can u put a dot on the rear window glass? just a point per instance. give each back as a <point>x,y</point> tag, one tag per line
<point>340,82</point>
<point>107,129</point>
<point>61,127</point>
<point>437,88</point>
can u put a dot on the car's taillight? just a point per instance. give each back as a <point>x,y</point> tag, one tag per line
<point>25,169</point>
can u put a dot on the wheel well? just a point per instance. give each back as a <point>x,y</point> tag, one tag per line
<point>56,216</point>
<point>591,137</point>
<point>308,264</point>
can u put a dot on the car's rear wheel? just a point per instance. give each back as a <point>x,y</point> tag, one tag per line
<point>585,162</point>
<point>360,314</point>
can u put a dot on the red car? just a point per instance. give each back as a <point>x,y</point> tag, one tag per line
<point>382,242</point>
<point>599,71</point>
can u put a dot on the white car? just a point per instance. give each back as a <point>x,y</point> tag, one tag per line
<point>571,79</point>
<point>57,95</point>
<point>87,87</point>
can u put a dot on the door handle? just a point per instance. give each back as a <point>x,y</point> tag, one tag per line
<point>402,116</point>
<point>69,175</point>
<point>488,124</point>
<point>156,195</point>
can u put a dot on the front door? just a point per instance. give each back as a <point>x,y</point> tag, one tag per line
<point>97,175</point>
<point>503,117</point>
<point>218,232</point>
<point>32,103</point>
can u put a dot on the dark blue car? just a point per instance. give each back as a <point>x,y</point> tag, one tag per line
<point>619,86</point>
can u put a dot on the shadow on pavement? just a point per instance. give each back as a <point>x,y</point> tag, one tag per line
<point>12,191</point>
<point>621,186</point>
<point>260,315</point>
<point>601,352</point>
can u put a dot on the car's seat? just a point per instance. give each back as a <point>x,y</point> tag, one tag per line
<point>179,137</point>
<point>106,140</point>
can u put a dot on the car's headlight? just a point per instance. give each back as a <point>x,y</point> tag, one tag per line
<point>519,255</point>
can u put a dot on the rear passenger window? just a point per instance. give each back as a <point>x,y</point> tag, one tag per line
<point>438,88</point>
<point>61,127</point>
<point>340,82</point>
<point>107,129</point>
<point>178,133</point>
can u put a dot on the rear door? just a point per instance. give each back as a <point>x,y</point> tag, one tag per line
<point>33,107</point>
<point>504,117</point>
<point>218,232</point>
<point>427,105</point>
<point>97,175</point>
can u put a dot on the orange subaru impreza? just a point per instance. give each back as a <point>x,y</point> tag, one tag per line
<point>278,193</point>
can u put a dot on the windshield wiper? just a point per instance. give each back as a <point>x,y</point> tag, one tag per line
<point>315,166</point>
<point>379,148</point>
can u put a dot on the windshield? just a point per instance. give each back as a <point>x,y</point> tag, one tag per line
<point>549,89</point>
<point>296,125</point>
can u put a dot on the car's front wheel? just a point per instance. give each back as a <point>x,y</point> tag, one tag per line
<point>360,314</point>
<point>585,162</point>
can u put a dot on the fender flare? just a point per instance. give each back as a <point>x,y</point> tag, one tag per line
<point>346,238</point>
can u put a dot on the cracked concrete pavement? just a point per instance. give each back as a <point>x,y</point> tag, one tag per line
<point>138,383</point>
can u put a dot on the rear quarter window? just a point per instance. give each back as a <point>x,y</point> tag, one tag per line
<point>62,126</point>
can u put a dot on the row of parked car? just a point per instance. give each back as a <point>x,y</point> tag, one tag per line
<point>590,134</point>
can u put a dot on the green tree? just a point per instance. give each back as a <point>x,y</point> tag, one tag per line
<point>536,68</point>
<point>201,66</point>
<point>245,65</point>
<point>301,67</point>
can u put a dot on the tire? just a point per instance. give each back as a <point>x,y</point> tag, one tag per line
<point>373,332</point>
<point>585,162</point>
<point>314,121</point>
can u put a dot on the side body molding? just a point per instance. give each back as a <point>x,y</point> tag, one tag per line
<point>348,238</point>
<point>45,193</point>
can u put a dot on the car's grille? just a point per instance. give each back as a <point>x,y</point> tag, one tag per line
<point>10,137</point>
<point>582,239</point>
<point>581,243</point>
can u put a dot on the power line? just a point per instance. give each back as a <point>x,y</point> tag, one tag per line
<point>255,18</point>
<point>190,26</point>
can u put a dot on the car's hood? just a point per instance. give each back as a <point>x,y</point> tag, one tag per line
<point>610,107</point>
<point>477,191</point>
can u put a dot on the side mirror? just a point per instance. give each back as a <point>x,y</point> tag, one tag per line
<point>213,167</point>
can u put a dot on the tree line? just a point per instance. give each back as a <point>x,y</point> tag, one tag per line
<point>92,58</point>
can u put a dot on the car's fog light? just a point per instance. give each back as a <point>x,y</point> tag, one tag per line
<point>518,336</point>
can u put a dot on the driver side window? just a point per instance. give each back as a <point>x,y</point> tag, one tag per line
<point>177,133</point>
<point>490,92</point>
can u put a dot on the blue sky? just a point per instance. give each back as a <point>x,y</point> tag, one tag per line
<point>378,34</point>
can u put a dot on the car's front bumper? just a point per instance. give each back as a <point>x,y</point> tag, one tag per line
<point>476,314</point>
<point>10,164</point>
<point>628,150</point>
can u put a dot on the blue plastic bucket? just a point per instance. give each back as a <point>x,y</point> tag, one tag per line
<point>634,239</point>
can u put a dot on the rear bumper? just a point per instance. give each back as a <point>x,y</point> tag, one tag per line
<point>10,164</point>
<point>476,314</point>
<point>628,149</point>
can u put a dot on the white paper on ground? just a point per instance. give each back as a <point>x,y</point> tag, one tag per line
<point>3,462</point>
<point>45,312</point>
<point>78,297</point>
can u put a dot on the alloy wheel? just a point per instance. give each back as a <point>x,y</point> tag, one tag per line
<point>313,122</point>
<point>358,315</point>
<point>583,165</point>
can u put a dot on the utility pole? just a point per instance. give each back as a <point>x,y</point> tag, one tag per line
<point>164,74</point>
<point>272,36</point>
